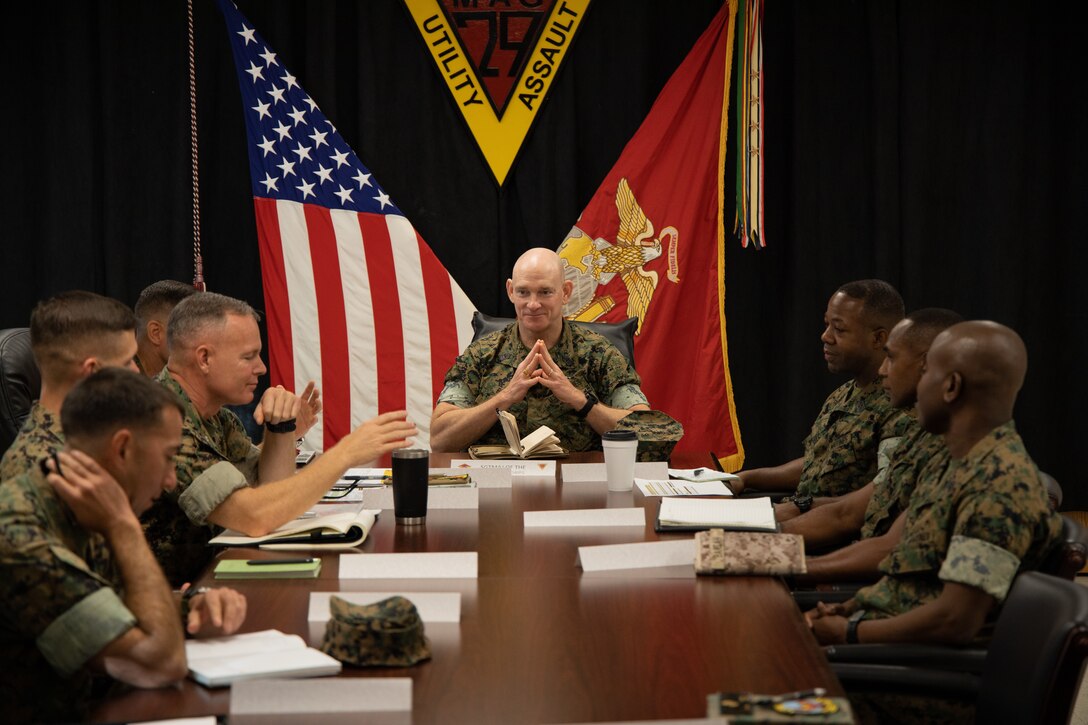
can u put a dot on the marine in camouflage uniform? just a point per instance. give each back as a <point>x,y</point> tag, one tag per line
<point>216,459</point>
<point>60,604</point>
<point>856,425</point>
<point>975,521</point>
<point>588,360</point>
<point>40,437</point>
<point>894,485</point>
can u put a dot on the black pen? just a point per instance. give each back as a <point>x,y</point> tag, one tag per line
<point>265,562</point>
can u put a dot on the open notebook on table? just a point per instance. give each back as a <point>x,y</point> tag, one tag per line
<point>541,443</point>
<point>344,530</point>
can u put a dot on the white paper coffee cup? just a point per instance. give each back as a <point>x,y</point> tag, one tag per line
<point>620,447</point>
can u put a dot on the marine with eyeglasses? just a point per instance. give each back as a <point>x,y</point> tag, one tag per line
<point>544,371</point>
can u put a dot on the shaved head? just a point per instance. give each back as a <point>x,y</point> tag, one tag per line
<point>976,368</point>
<point>538,292</point>
<point>539,258</point>
<point>991,356</point>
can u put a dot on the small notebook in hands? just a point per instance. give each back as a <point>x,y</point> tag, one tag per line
<point>541,443</point>
<point>328,531</point>
<point>688,513</point>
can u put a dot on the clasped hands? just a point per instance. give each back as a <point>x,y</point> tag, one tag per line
<point>279,405</point>
<point>538,368</point>
<point>828,621</point>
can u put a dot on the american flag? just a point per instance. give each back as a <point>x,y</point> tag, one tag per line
<point>354,297</point>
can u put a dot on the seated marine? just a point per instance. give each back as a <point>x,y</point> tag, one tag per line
<point>546,371</point>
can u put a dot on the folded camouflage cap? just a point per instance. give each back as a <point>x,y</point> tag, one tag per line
<point>657,433</point>
<point>388,633</point>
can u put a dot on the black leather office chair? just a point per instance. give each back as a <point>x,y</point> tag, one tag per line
<point>620,334</point>
<point>20,382</point>
<point>1029,674</point>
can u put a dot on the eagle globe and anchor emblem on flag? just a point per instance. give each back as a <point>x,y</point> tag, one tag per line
<point>591,264</point>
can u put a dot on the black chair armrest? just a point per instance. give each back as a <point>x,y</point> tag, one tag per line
<point>948,659</point>
<point>776,496</point>
<point>906,679</point>
<point>808,598</point>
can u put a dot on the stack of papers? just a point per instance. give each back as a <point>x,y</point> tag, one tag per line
<point>681,488</point>
<point>219,661</point>
<point>694,514</point>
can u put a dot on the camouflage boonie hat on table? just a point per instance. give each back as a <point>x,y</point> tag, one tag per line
<point>657,433</point>
<point>387,633</point>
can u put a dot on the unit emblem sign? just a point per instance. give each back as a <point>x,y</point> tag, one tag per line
<point>499,60</point>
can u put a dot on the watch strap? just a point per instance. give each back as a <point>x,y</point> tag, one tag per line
<point>852,626</point>
<point>591,400</point>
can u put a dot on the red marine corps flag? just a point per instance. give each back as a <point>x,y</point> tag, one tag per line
<point>355,298</point>
<point>650,245</point>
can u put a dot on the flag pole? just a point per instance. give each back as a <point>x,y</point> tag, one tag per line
<point>198,260</point>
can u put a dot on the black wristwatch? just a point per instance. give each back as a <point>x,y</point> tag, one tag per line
<point>803,502</point>
<point>591,400</point>
<point>286,426</point>
<point>852,626</point>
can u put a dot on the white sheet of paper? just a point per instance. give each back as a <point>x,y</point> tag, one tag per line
<point>519,469</point>
<point>432,565</point>
<point>681,488</point>
<point>596,472</point>
<point>319,697</point>
<point>754,513</point>
<point>586,517</point>
<point>643,555</point>
<point>432,606</point>
<point>702,474</point>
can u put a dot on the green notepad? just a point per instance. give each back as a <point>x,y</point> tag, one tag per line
<point>242,569</point>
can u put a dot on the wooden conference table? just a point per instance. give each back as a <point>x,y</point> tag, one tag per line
<point>538,641</point>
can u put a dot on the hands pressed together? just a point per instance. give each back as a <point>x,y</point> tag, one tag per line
<point>538,368</point>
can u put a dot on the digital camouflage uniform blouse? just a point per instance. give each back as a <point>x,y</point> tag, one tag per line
<point>60,604</point>
<point>975,521</point>
<point>855,426</point>
<point>588,360</point>
<point>216,458</point>
<point>39,438</point>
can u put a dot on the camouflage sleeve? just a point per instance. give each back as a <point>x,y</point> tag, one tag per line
<point>456,392</point>
<point>884,451</point>
<point>239,448</point>
<point>48,592</point>
<point>996,519</point>
<point>979,564</point>
<point>459,386</point>
<point>627,396</point>
<point>209,489</point>
<point>84,630</point>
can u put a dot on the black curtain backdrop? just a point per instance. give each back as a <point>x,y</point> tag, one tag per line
<point>937,145</point>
